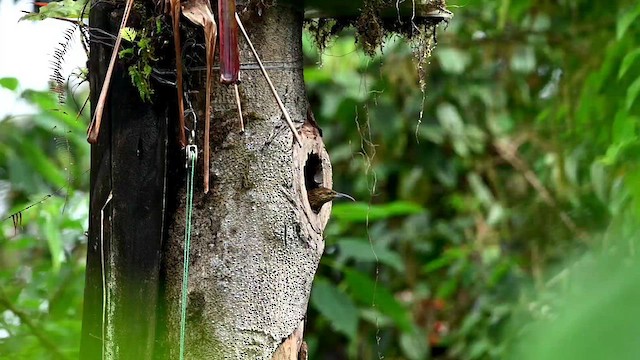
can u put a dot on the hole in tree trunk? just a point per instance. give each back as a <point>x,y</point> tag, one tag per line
<point>313,176</point>
<point>313,172</point>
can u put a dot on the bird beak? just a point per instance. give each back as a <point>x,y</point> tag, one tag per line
<point>345,196</point>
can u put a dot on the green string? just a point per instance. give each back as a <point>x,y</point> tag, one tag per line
<point>187,247</point>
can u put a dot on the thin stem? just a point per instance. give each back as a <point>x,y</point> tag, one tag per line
<point>239,105</point>
<point>94,128</point>
<point>35,330</point>
<point>273,89</point>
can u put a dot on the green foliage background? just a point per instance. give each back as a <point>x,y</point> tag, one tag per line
<point>499,224</point>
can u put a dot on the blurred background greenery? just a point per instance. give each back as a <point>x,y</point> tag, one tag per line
<point>499,223</point>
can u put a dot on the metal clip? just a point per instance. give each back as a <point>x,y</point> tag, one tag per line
<point>192,137</point>
<point>191,154</point>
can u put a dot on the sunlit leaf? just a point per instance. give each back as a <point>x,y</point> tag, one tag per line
<point>52,233</point>
<point>632,93</point>
<point>71,9</point>
<point>628,60</point>
<point>360,212</point>
<point>624,127</point>
<point>9,83</point>
<point>625,20</point>
<point>129,34</point>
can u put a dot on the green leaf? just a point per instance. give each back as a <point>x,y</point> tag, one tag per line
<point>360,212</point>
<point>125,52</point>
<point>452,60</point>
<point>68,9</point>
<point>54,240</point>
<point>450,119</point>
<point>632,93</point>
<point>129,34</point>
<point>480,189</point>
<point>447,288</point>
<point>627,61</point>
<point>362,250</point>
<point>9,83</point>
<point>43,100</point>
<point>625,21</point>
<point>369,292</point>
<point>621,153</point>
<point>144,44</point>
<point>624,127</point>
<point>336,306</point>
<point>449,257</point>
<point>588,322</point>
<point>414,345</point>
<point>479,349</point>
<point>34,156</point>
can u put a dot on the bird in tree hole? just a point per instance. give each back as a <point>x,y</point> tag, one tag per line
<point>320,195</point>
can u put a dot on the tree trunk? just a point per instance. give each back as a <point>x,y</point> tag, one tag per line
<point>256,242</point>
<point>126,220</point>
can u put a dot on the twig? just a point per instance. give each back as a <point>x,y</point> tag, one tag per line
<point>273,89</point>
<point>509,152</point>
<point>45,198</point>
<point>94,128</point>
<point>175,12</point>
<point>37,332</point>
<point>239,106</point>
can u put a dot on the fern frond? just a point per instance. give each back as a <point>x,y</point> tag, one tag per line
<point>57,81</point>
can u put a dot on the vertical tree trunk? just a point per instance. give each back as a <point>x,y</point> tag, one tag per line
<point>126,223</point>
<point>256,243</point>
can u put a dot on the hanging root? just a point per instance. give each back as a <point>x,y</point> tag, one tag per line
<point>174,11</point>
<point>199,12</point>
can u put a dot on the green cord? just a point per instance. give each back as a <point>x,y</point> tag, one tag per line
<point>187,247</point>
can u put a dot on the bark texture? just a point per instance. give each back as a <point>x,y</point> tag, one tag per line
<point>256,243</point>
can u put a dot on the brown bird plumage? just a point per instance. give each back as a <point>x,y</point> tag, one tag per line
<point>321,195</point>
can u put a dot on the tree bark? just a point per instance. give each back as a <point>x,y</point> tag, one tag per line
<point>256,243</point>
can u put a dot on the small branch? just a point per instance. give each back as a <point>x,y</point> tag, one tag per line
<point>296,136</point>
<point>37,332</point>
<point>509,152</point>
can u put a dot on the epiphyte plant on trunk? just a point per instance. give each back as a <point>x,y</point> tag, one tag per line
<point>199,12</point>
